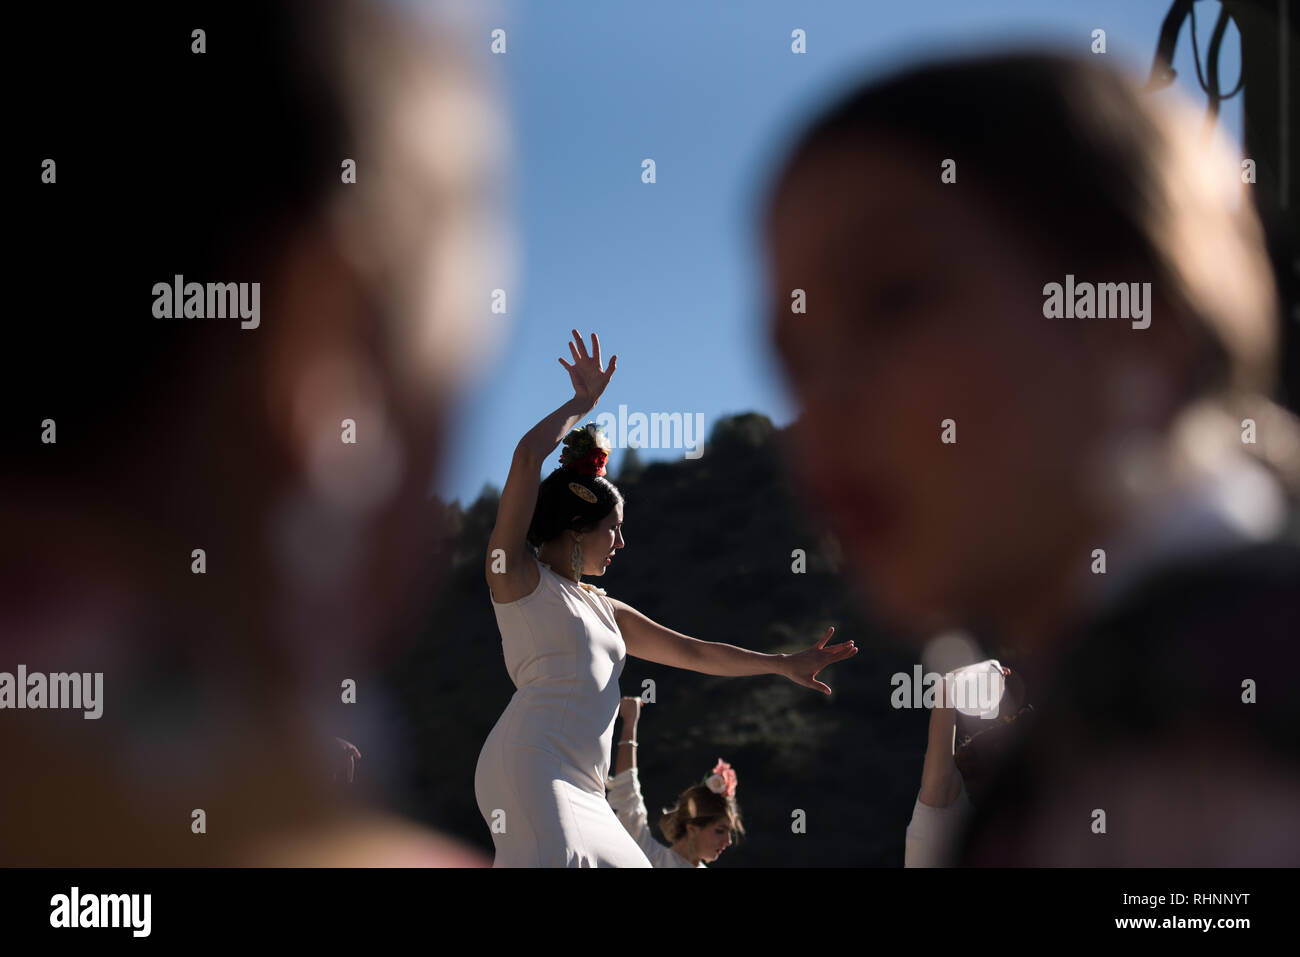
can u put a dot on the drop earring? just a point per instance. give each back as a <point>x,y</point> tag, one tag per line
<point>577,559</point>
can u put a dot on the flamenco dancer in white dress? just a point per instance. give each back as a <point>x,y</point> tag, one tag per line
<point>540,779</point>
<point>700,824</point>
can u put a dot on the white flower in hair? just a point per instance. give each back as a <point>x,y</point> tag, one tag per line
<point>598,437</point>
<point>716,783</point>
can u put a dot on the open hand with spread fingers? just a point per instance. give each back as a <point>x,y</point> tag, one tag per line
<point>589,379</point>
<point>802,668</point>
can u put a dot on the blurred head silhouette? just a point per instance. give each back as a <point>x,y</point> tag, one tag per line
<point>233,512</point>
<point>968,450</point>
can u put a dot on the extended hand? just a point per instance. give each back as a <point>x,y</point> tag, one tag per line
<point>802,668</point>
<point>589,379</point>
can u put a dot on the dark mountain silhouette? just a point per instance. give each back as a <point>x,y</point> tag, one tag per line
<point>708,553</point>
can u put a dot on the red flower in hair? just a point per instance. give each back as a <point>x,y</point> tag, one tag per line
<point>586,450</point>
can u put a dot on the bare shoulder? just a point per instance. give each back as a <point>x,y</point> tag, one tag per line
<point>620,607</point>
<point>513,580</point>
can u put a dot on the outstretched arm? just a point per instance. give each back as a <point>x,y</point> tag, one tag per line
<point>651,641</point>
<point>519,497</point>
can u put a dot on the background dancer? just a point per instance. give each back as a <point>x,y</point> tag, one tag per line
<point>700,824</point>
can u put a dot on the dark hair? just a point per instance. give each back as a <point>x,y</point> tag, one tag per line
<point>1054,138</point>
<point>560,509</point>
<point>699,806</point>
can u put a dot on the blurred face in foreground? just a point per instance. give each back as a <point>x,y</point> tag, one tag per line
<point>296,454</point>
<point>924,320</point>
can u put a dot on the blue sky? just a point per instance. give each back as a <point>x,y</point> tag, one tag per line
<point>669,275</point>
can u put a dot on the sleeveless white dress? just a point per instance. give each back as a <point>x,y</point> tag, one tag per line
<point>540,779</point>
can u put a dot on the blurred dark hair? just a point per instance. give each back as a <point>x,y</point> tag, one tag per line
<point>172,162</point>
<point>1055,140</point>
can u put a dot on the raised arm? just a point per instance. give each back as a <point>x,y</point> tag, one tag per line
<point>940,780</point>
<point>942,807</point>
<point>629,709</point>
<point>625,793</point>
<point>651,641</point>
<point>510,575</point>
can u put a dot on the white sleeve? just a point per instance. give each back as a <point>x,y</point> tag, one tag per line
<point>625,798</point>
<point>933,832</point>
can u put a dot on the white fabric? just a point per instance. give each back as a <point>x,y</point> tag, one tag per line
<point>540,779</point>
<point>625,798</point>
<point>933,832</point>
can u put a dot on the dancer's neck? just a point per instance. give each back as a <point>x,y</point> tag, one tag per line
<point>682,847</point>
<point>548,555</point>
